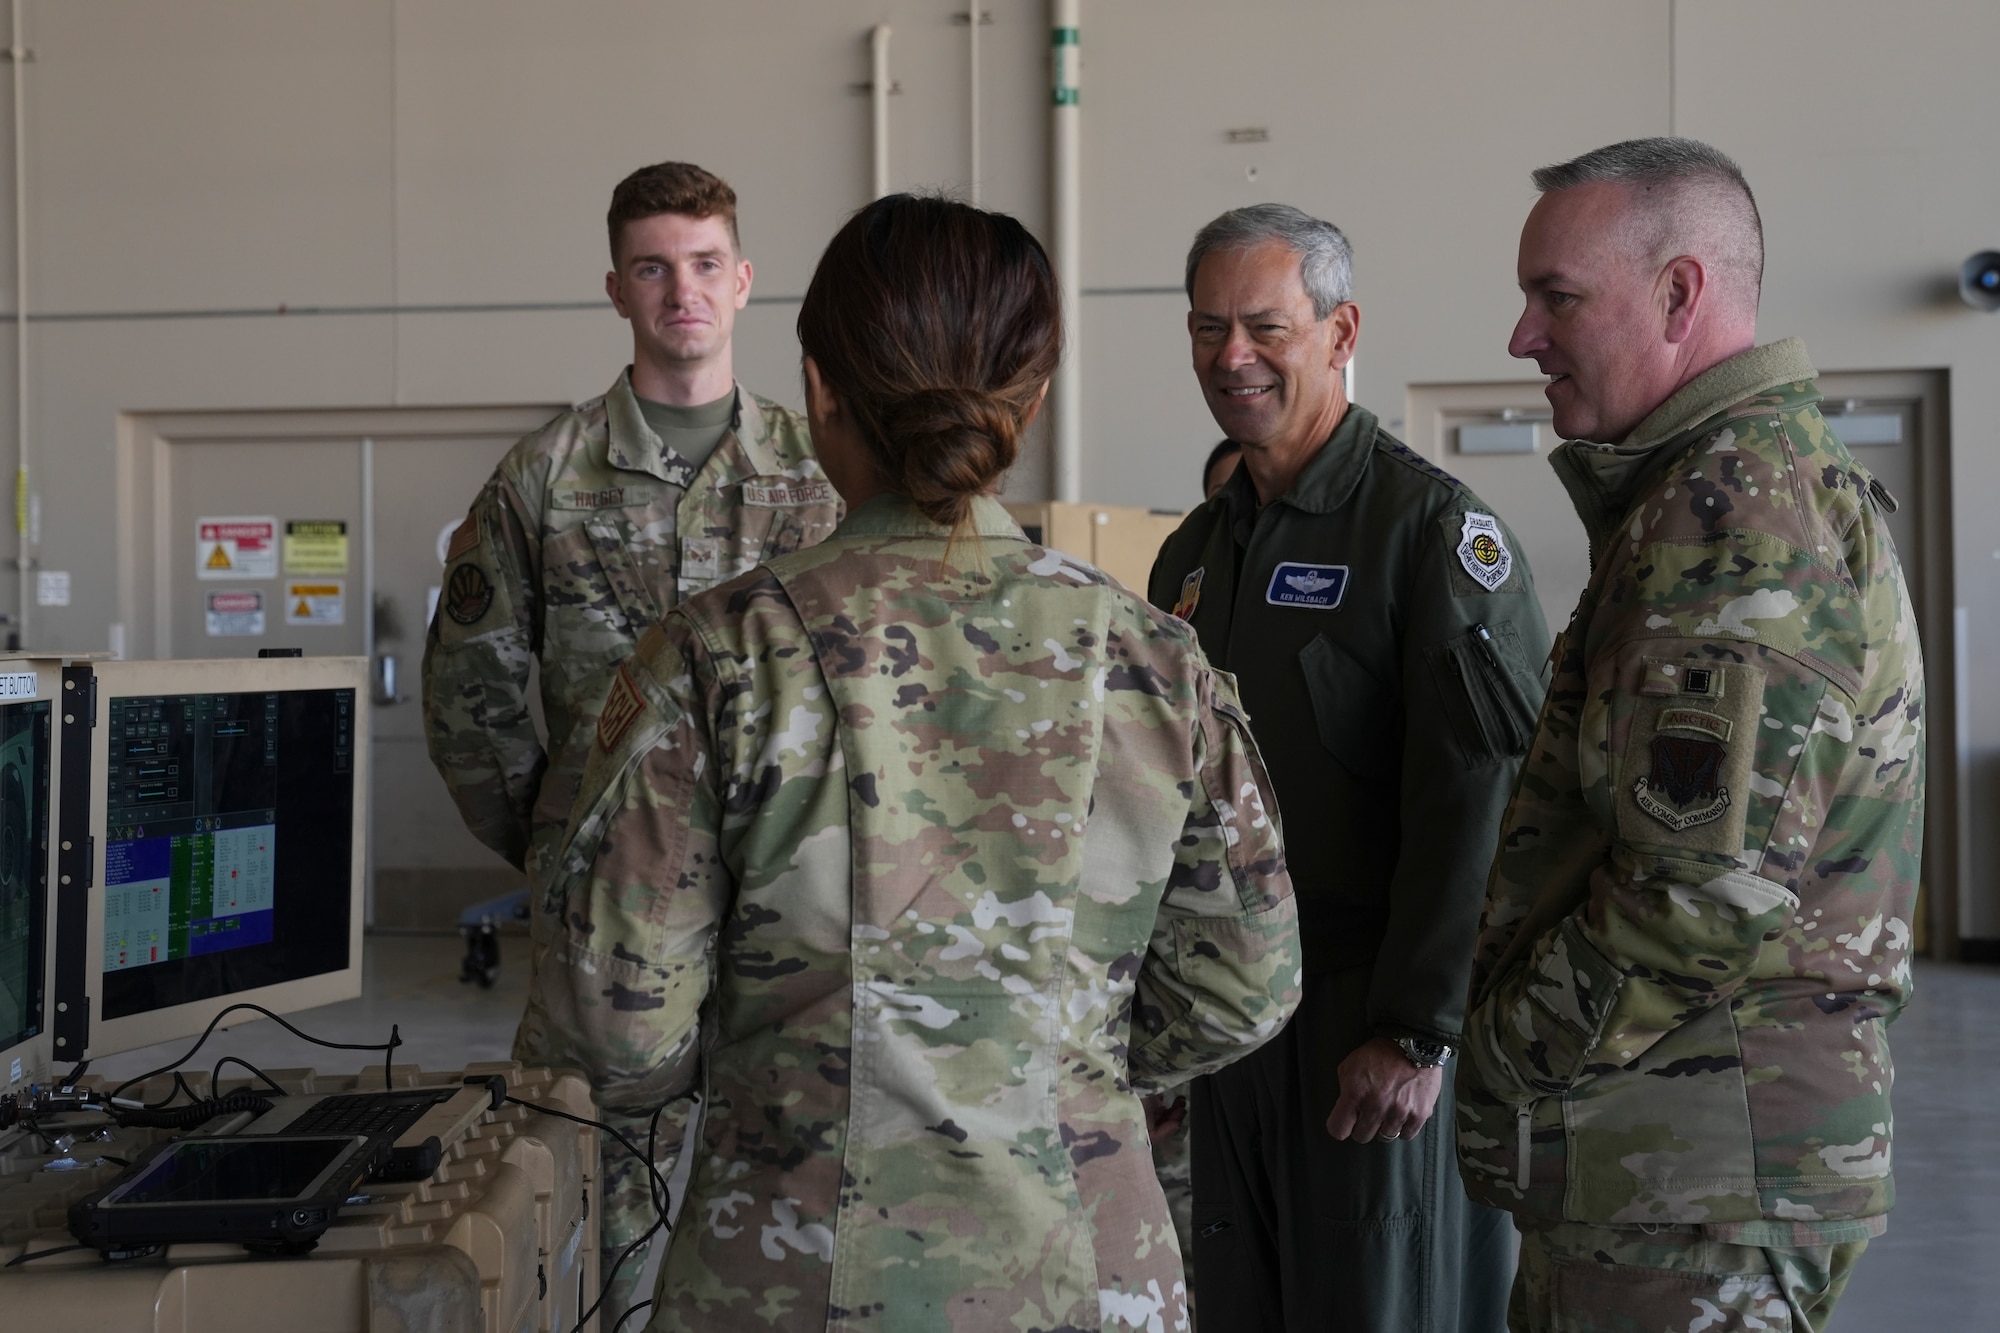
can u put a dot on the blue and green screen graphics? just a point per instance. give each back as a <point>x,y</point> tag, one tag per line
<point>228,820</point>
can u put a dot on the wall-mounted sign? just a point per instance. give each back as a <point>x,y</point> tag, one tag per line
<point>235,615</point>
<point>315,546</point>
<point>319,603</point>
<point>236,548</point>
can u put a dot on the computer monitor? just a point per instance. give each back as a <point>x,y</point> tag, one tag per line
<point>29,768</point>
<point>228,806</point>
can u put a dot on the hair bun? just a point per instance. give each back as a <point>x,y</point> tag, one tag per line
<point>945,446</point>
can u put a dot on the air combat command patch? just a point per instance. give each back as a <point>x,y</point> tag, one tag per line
<point>1190,596</point>
<point>1684,788</point>
<point>1483,551</point>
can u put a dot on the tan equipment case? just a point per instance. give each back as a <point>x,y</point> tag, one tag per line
<point>500,1239</point>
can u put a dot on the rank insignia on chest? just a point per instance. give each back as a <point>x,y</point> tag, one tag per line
<point>1482,549</point>
<point>1309,587</point>
<point>1190,596</point>
<point>1683,788</point>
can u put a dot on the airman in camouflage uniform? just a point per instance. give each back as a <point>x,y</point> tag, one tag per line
<point>588,530</point>
<point>1698,926</point>
<point>923,873</point>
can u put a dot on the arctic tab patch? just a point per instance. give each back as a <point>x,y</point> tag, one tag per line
<point>1483,551</point>
<point>1190,596</point>
<point>1310,587</point>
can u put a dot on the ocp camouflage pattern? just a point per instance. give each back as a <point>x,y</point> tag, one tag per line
<point>924,872</point>
<point>589,529</point>
<point>1698,925</point>
<point>1673,1279</point>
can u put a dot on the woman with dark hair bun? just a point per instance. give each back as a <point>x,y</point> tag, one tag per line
<point>920,856</point>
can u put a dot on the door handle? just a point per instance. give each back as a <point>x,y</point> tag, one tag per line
<point>385,679</point>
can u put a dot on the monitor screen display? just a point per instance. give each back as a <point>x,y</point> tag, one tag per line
<point>24,867</point>
<point>229,843</point>
<point>233,1169</point>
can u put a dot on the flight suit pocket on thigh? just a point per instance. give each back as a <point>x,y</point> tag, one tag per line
<point>1354,712</point>
<point>1489,692</point>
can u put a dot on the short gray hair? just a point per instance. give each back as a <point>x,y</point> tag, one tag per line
<point>1326,260</point>
<point>1693,191</point>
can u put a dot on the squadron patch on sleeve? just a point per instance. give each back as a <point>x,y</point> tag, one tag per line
<point>468,594</point>
<point>621,708</point>
<point>1482,549</point>
<point>1190,596</point>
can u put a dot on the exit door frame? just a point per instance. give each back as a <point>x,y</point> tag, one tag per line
<point>1947,849</point>
<point>146,534</point>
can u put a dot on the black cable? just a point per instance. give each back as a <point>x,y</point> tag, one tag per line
<point>659,1181</point>
<point>193,1114</point>
<point>612,1278</point>
<point>661,1195</point>
<point>42,1254</point>
<point>388,1049</point>
<point>619,1327</point>
<point>69,1079</point>
<point>653,1155</point>
<point>180,1087</point>
<point>216,1073</point>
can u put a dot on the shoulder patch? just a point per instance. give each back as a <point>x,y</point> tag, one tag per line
<point>468,594</point>
<point>1190,596</point>
<point>1482,549</point>
<point>463,539</point>
<point>621,709</point>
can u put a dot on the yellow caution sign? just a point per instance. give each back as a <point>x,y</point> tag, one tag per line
<point>218,558</point>
<point>318,603</point>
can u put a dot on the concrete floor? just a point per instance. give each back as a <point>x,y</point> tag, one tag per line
<point>1937,1268</point>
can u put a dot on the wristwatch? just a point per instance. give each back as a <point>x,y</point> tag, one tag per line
<point>1423,1054</point>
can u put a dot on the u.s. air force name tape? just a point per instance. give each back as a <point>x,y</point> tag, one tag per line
<point>1310,587</point>
<point>1483,551</point>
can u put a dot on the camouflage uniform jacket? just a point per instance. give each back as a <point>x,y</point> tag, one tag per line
<point>924,875</point>
<point>587,531</point>
<point>1698,923</point>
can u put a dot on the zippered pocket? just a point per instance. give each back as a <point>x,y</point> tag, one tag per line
<point>1489,692</point>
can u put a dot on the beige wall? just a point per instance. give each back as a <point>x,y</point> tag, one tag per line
<point>415,157</point>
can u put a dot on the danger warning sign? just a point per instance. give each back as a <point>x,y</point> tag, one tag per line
<point>236,548</point>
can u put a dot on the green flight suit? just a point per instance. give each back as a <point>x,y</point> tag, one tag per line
<point>1351,611</point>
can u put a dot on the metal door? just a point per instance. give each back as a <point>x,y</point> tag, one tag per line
<point>321,531</point>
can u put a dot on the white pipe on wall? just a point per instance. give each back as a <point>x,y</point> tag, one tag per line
<point>24,549</point>
<point>1066,209</point>
<point>973,23</point>
<point>878,93</point>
